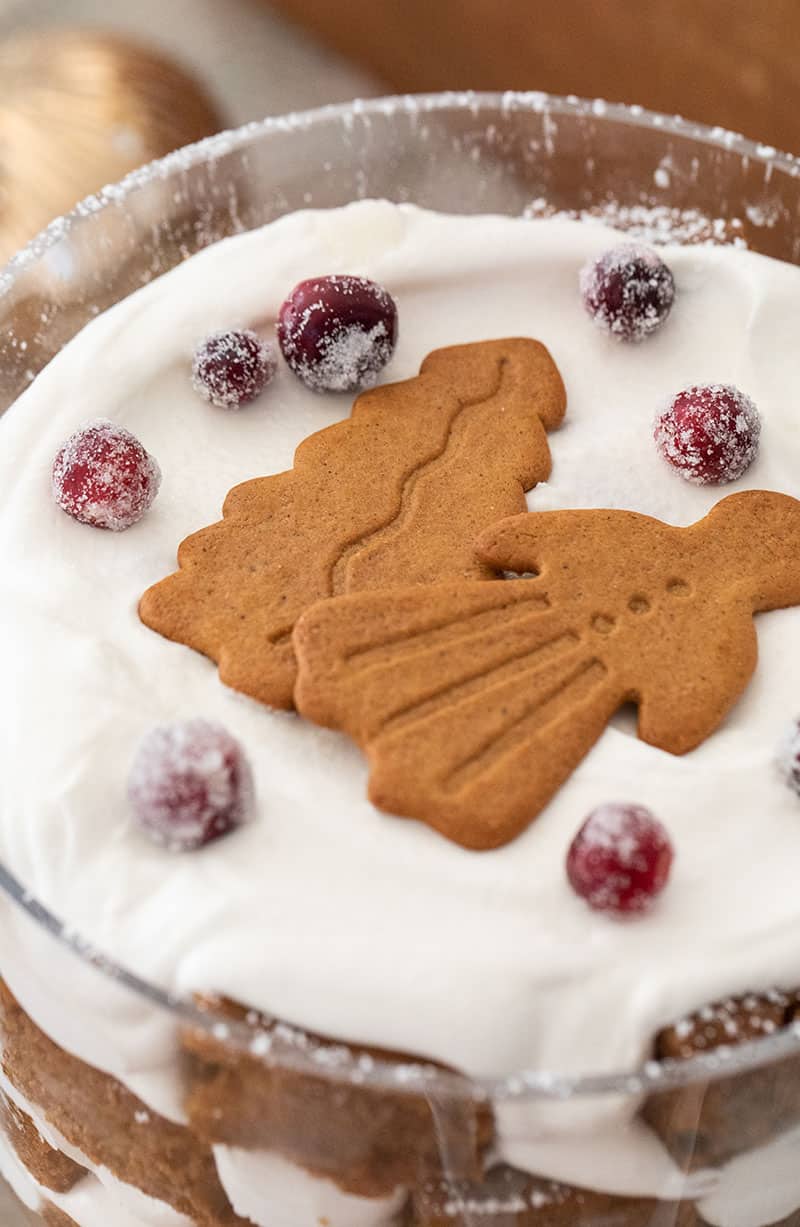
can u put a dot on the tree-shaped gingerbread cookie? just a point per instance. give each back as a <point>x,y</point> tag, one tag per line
<point>394,495</point>
<point>475,701</point>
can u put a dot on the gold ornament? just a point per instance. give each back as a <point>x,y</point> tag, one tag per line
<point>79,109</point>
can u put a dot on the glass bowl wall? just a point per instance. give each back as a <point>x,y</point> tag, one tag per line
<point>511,154</point>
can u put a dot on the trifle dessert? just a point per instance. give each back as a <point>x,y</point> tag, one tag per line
<point>378,595</point>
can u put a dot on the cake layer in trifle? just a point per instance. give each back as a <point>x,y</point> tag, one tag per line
<point>78,1145</point>
<point>452,919</point>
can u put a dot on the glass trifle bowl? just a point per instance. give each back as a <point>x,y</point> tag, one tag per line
<point>137,1092</point>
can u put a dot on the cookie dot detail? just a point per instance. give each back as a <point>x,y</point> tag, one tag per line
<point>337,333</point>
<point>628,291</point>
<point>603,623</point>
<point>709,433</point>
<point>189,784</point>
<point>232,368</point>
<point>620,860</point>
<point>103,476</point>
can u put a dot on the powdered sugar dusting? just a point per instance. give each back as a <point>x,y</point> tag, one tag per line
<point>337,333</point>
<point>654,225</point>
<point>349,357</point>
<point>731,1021</point>
<point>505,1192</point>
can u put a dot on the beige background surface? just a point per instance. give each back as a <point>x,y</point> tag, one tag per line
<point>255,63</point>
<point>728,62</point>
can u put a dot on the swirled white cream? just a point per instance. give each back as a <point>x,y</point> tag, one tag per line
<point>322,910</point>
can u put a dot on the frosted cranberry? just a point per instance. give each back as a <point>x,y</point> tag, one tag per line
<point>789,759</point>
<point>104,477</point>
<point>232,368</point>
<point>628,292</point>
<point>189,784</point>
<point>620,859</point>
<point>709,433</point>
<point>337,333</point>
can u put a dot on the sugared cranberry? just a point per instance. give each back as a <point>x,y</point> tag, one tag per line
<point>789,757</point>
<point>103,476</point>
<point>231,368</point>
<point>709,433</point>
<point>189,784</point>
<point>620,859</point>
<point>628,292</point>
<point>337,333</point>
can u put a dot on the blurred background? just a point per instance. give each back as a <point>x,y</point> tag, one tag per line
<point>81,104</point>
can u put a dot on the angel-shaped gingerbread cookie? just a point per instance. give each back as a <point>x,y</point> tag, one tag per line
<point>395,494</point>
<point>475,701</point>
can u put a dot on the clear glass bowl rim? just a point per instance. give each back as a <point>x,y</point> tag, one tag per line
<point>420,1078</point>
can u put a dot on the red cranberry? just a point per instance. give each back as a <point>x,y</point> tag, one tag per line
<point>709,434</point>
<point>628,292</point>
<point>103,476</point>
<point>337,333</point>
<point>620,859</point>
<point>232,368</point>
<point>189,784</point>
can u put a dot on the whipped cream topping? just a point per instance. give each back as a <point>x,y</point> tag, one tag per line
<point>323,910</point>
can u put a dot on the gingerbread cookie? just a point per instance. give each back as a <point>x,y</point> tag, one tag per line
<point>476,701</point>
<point>395,495</point>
